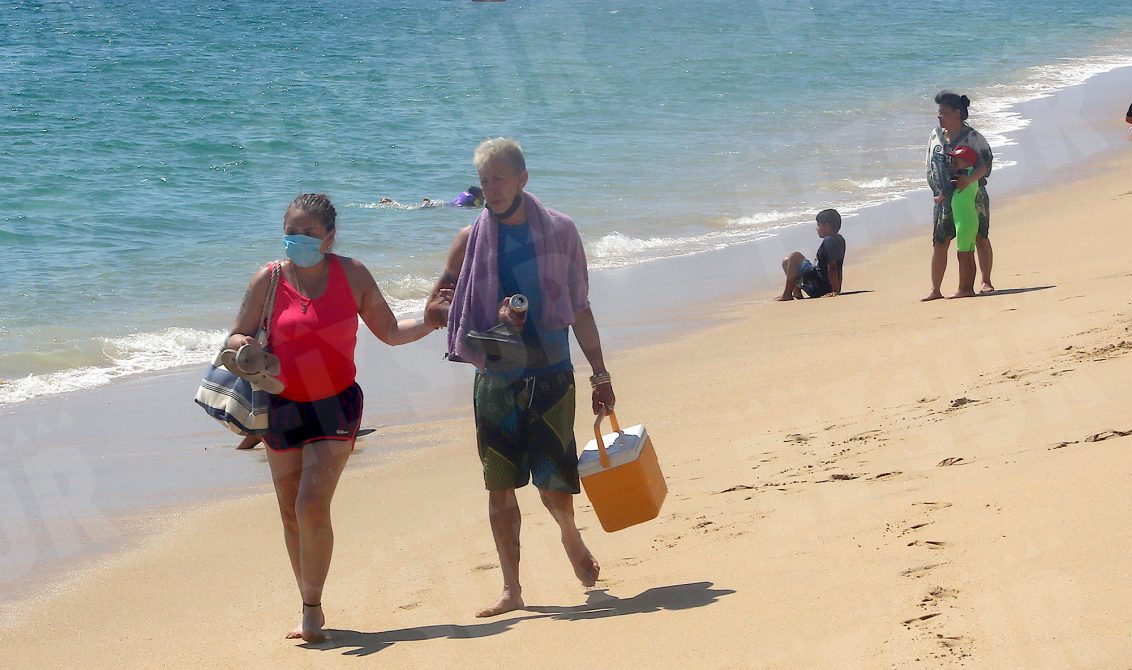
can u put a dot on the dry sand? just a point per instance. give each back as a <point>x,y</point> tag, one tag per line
<point>859,482</point>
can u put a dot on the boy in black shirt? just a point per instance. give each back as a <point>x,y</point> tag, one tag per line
<point>823,277</point>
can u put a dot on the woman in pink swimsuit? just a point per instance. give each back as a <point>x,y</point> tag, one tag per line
<point>315,419</point>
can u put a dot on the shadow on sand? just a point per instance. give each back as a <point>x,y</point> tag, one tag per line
<point>1012,291</point>
<point>599,604</point>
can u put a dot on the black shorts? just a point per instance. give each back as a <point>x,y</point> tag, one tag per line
<point>812,281</point>
<point>293,424</point>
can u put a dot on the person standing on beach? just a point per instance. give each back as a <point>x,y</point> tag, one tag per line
<point>954,132</point>
<point>523,404</point>
<point>965,214</point>
<point>314,419</point>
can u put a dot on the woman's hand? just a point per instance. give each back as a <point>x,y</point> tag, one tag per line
<point>236,340</point>
<point>436,311</point>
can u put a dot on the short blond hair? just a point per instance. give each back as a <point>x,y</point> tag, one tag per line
<point>503,148</point>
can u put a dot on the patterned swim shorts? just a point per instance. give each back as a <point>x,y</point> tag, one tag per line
<point>525,431</point>
<point>943,229</point>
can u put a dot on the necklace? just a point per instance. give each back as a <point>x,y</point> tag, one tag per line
<point>304,294</point>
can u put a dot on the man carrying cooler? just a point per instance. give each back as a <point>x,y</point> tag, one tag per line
<point>524,400</point>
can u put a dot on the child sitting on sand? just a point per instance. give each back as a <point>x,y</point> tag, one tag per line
<point>822,278</point>
<point>966,217</point>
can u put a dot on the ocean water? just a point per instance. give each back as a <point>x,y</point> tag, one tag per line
<point>148,150</point>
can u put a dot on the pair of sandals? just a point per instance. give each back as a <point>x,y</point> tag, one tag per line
<point>256,365</point>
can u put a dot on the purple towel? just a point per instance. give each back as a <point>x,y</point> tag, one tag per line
<point>562,274</point>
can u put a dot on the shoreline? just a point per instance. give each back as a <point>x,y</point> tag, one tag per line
<point>933,503</point>
<point>117,354</point>
<point>666,308</point>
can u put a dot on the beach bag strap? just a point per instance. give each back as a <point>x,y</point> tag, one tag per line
<point>263,335</point>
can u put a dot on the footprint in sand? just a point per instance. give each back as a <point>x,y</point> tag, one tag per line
<point>930,544</point>
<point>954,460</point>
<point>1107,435</point>
<point>937,595</point>
<point>738,487</point>
<point>1095,437</point>
<point>960,402</point>
<point>918,619</point>
<point>915,527</point>
<point>884,475</point>
<point>867,436</point>
<point>921,570</point>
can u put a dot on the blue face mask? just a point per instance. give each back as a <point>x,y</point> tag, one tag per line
<point>303,250</point>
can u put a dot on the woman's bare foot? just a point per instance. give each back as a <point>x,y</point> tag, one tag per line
<point>986,289</point>
<point>310,630</point>
<point>512,599</point>
<point>964,293</point>
<point>586,567</point>
<point>934,295</point>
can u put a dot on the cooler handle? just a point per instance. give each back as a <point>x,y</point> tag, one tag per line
<point>604,457</point>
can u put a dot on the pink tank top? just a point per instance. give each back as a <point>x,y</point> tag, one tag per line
<point>315,345</point>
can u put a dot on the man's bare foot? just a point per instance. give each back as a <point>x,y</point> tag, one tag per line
<point>963,293</point>
<point>934,295</point>
<point>986,289</point>
<point>586,567</point>
<point>783,298</point>
<point>510,600</point>
<point>310,630</point>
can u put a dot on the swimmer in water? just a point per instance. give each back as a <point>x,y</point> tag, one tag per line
<point>471,197</point>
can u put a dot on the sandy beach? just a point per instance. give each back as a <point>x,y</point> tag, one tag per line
<point>891,484</point>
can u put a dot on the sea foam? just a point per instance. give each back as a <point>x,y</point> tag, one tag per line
<point>129,355</point>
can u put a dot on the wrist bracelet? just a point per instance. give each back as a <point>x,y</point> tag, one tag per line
<point>600,378</point>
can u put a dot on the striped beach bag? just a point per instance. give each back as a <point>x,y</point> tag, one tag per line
<point>231,400</point>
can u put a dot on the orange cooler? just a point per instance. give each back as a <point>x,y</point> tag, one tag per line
<point>621,476</point>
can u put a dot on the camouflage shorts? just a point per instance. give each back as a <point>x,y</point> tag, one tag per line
<point>525,431</point>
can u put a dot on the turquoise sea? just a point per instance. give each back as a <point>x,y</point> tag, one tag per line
<point>148,150</point>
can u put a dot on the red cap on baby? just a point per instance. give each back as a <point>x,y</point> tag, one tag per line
<point>966,154</point>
